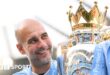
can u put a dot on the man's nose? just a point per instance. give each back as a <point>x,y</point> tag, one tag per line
<point>42,43</point>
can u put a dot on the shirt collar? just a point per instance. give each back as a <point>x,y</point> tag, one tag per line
<point>33,73</point>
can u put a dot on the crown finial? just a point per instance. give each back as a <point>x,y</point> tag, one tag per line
<point>80,2</point>
<point>70,6</point>
<point>106,7</point>
<point>95,2</point>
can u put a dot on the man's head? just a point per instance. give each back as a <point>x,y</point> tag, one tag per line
<point>34,41</point>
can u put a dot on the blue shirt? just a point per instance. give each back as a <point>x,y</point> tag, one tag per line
<point>51,71</point>
<point>101,60</point>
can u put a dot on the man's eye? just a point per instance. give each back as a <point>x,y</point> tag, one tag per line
<point>44,36</point>
<point>32,41</point>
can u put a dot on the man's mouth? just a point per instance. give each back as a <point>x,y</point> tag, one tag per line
<point>42,53</point>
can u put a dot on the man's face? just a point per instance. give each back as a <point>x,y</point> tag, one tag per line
<point>37,45</point>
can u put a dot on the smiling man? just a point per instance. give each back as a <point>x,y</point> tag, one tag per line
<point>33,40</point>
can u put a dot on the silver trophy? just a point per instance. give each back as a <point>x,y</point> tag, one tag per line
<point>75,55</point>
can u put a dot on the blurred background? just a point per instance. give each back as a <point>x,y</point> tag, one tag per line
<point>51,12</point>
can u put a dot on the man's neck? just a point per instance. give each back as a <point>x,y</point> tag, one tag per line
<point>41,70</point>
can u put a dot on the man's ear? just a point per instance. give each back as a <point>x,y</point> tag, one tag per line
<point>20,48</point>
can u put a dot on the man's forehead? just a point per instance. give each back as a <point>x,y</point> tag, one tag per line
<point>28,26</point>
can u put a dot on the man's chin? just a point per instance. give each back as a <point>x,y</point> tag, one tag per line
<point>40,62</point>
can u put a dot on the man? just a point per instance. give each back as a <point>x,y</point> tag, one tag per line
<point>34,41</point>
<point>101,60</point>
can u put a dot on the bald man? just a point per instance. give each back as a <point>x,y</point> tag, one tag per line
<point>34,41</point>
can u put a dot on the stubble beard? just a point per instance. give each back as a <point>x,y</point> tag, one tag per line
<point>40,62</point>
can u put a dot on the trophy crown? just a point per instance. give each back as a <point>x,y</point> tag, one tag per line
<point>93,19</point>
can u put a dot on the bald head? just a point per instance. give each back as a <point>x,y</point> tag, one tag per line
<point>26,27</point>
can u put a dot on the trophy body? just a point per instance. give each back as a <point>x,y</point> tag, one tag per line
<point>76,56</point>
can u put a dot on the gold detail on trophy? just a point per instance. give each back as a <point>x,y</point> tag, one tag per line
<point>94,22</point>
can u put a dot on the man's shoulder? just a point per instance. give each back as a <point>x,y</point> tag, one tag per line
<point>105,43</point>
<point>102,47</point>
<point>25,71</point>
<point>53,63</point>
<point>53,68</point>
